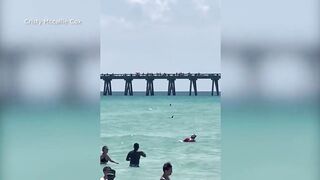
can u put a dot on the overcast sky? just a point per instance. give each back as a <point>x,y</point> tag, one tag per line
<point>160,36</point>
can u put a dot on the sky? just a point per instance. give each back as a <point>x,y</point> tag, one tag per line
<point>14,30</point>
<point>160,36</point>
<point>284,33</point>
<point>171,35</point>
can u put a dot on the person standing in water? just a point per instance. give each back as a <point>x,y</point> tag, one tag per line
<point>134,156</point>
<point>167,171</point>
<point>104,158</point>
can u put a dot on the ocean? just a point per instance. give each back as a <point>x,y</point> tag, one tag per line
<point>158,127</point>
<point>49,141</point>
<point>259,140</point>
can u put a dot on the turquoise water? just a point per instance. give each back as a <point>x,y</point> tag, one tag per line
<point>147,120</point>
<point>275,141</point>
<point>271,140</point>
<point>47,142</point>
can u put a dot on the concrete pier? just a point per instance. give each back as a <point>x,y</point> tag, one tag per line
<point>171,77</point>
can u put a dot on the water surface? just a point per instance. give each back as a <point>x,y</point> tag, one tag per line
<point>148,121</point>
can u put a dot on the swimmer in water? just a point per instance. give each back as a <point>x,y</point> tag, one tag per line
<point>134,156</point>
<point>104,157</point>
<point>109,174</point>
<point>167,171</point>
<point>192,138</point>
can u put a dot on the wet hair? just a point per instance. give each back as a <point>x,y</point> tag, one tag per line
<point>107,168</point>
<point>111,173</point>
<point>104,147</point>
<point>136,146</point>
<point>166,166</point>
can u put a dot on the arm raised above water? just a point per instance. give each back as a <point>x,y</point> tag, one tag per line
<point>143,154</point>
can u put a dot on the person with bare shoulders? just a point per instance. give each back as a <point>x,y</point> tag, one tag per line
<point>134,156</point>
<point>104,158</point>
<point>167,171</point>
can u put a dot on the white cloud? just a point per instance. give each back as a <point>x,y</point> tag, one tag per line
<point>111,21</point>
<point>138,1</point>
<point>155,9</point>
<point>202,6</point>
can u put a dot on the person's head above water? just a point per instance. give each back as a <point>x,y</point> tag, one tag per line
<point>167,168</point>
<point>136,146</point>
<point>193,136</point>
<point>105,149</point>
<point>106,170</point>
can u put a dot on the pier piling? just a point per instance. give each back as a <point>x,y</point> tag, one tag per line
<point>171,87</point>
<point>193,82</point>
<point>149,88</point>
<point>217,87</point>
<point>107,90</point>
<point>128,87</point>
